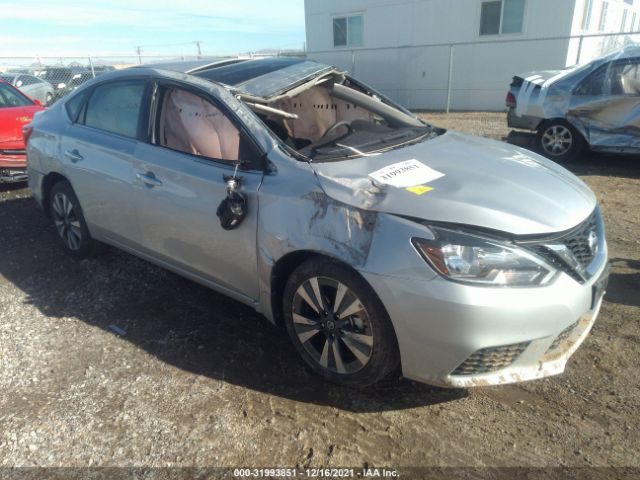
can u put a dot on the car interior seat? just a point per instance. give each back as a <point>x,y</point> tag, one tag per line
<point>191,124</point>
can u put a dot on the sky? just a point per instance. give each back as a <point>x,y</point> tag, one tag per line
<point>31,28</point>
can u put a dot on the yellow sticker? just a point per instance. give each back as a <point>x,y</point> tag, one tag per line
<point>419,190</point>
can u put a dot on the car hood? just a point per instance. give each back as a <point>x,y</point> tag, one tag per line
<point>483,183</point>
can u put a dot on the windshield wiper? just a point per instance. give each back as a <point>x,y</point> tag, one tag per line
<point>347,150</point>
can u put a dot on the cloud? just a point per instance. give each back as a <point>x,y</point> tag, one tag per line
<point>239,15</point>
<point>58,27</point>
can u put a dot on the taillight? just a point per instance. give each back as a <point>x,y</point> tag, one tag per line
<point>511,100</point>
<point>27,130</point>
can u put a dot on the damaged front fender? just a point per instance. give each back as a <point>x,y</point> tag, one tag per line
<point>324,226</point>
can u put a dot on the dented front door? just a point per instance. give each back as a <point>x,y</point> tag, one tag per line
<point>177,197</point>
<point>607,105</point>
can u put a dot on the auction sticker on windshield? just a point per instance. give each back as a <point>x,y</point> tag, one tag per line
<point>406,174</point>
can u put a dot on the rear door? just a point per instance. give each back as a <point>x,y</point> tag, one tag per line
<point>607,103</point>
<point>182,180</point>
<point>98,149</point>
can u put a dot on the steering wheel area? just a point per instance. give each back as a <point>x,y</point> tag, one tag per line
<point>334,127</point>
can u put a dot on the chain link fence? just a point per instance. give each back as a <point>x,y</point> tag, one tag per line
<point>466,75</point>
<point>437,77</point>
<point>48,79</point>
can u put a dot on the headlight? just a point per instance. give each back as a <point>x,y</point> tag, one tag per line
<point>62,85</point>
<point>482,261</point>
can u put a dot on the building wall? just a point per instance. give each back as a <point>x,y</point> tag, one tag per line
<point>590,48</point>
<point>392,57</point>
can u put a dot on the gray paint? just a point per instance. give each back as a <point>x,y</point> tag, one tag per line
<point>333,209</point>
<point>608,122</point>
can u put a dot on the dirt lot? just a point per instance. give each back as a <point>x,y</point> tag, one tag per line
<point>115,362</point>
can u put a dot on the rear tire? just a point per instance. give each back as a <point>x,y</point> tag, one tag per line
<point>338,325</point>
<point>559,141</point>
<point>68,220</point>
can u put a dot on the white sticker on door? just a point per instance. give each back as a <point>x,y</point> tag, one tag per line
<point>406,174</point>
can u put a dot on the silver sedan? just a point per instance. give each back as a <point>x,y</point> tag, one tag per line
<point>382,244</point>
<point>596,105</point>
<point>31,86</point>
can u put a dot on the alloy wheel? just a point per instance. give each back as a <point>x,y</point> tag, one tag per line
<point>66,221</point>
<point>557,140</point>
<point>332,325</point>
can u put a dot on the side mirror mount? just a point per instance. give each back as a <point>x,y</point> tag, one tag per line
<point>37,102</point>
<point>233,209</point>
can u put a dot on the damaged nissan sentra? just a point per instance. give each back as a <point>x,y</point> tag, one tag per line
<point>381,243</point>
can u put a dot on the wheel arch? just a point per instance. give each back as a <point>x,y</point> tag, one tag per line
<point>284,267</point>
<point>280,273</point>
<point>544,123</point>
<point>47,184</point>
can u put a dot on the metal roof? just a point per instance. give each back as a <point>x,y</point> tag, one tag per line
<point>264,77</point>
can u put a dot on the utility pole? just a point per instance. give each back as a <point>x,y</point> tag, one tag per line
<point>139,52</point>
<point>198,42</point>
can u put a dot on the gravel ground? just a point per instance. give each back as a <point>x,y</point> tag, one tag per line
<point>114,362</point>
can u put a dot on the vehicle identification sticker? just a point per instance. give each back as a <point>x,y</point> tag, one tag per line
<point>409,173</point>
<point>419,190</point>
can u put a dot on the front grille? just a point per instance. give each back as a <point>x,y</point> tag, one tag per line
<point>578,241</point>
<point>560,339</point>
<point>577,244</point>
<point>491,359</point>
<point>558,263</point>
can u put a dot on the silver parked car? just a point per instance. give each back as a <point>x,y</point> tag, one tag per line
<point>595,105</point>
<point>30,85</point>
<point>378,241</point>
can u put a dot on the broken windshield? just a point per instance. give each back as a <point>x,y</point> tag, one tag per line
<point>333,118</point>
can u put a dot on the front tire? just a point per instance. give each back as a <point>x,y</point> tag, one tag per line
<point>559,141</point>
<point>69,222</point>
<point>338,324</point>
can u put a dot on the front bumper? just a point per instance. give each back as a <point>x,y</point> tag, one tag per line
<point>441,324</point>
<point>12,175</point>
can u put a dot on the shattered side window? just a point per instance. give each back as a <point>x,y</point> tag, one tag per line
<point>188,123</point>
<point>616,78</point>
<point>596,83</point>
<point>625,78</point>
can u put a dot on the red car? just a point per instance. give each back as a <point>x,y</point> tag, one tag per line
<point>16,111</point>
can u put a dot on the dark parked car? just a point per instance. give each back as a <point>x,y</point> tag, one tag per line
<point>76,80</point>
<point>62,79</point>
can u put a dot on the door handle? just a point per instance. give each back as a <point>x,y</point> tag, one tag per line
<point>148,179</point>
<point>73,155</point>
